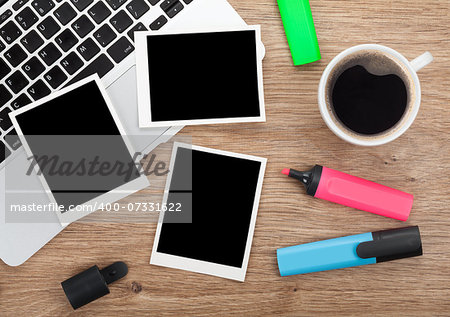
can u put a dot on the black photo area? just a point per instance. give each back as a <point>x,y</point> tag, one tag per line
<point>203,76</point>
<point>223,194</point>
<point>77,129</point>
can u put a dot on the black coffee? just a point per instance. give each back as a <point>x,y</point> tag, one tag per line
<point>367,103</point>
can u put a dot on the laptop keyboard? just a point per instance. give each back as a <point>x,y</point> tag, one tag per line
<point>49,44</point>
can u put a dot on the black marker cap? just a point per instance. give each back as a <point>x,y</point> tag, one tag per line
<point>92,284</point>
<point>394,244</point>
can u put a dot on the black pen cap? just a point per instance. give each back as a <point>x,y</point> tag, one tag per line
<point>393,244</point>
<point>92,284</point>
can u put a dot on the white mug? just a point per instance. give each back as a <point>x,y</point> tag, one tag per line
<point>411,68</point>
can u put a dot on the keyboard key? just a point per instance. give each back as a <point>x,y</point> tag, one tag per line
<point>48,27</point>
<point>13,140</point>
<point>20,101</point>
<point>32,41</point>
<point>121,21</point>
<point>66,40</point>
<point>105,35</point>
<point>2,46</point>
<point>55,77</point>
<point>4,152</point>
<point>137,8</point>
<point>5,95</point>
<point>26,18</point>
<point>50,54</point>
<point>101,65</point>
<point>166,4</point>
<point>187,1</point>
<point>121,49</point>
<point>81,4</point>
<point>72,63</point>
<point>19,4</point>
<point>88,49</point>
<point>154,2</point>
<point>99,12</point>
<point>4,69</point>
<point>38,90</point>
<point>83,26</point>
<point>5,121</point>
<point>4,16</point>
<point>175,9</point>
<point>65,13</point>
<point>15,55</point>
<point>10,32</point>
<point>115,4</point>
<point>138,27</point>
<point>158,23</point>
<point>16,81</point>
<point>33,68</point>
<point>42,6</point>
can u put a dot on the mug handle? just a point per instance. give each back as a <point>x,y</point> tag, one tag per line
<point>421,61</point>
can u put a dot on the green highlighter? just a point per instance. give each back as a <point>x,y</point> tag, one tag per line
<point>301,34</point>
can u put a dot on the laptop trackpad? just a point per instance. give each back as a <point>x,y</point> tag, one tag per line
<point>123,94</point>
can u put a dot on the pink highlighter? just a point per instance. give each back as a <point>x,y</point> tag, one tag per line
<point>325,183</point>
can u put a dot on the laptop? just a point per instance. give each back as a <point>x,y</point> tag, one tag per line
<point>46,45</point>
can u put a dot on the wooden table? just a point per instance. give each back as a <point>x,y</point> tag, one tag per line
<point>293,136</point>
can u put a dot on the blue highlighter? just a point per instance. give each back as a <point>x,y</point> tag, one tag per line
<point>360,249</point>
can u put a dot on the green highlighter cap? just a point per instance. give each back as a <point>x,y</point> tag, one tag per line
<point>301,34</point>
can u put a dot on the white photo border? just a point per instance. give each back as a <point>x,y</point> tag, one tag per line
<point>205,267</point>
<point>114,195</point>
<point>143,78</point>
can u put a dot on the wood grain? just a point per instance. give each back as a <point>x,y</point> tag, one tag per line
<point>293,136</point>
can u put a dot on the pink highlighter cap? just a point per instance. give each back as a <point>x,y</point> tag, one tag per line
<point>365,195</point>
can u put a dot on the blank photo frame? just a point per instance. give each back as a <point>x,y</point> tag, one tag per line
<point>219,192</point>
<point>202,76</point>
<point>70,130</point>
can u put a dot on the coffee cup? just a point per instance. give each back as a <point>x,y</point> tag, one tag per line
<point>370,94</point>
